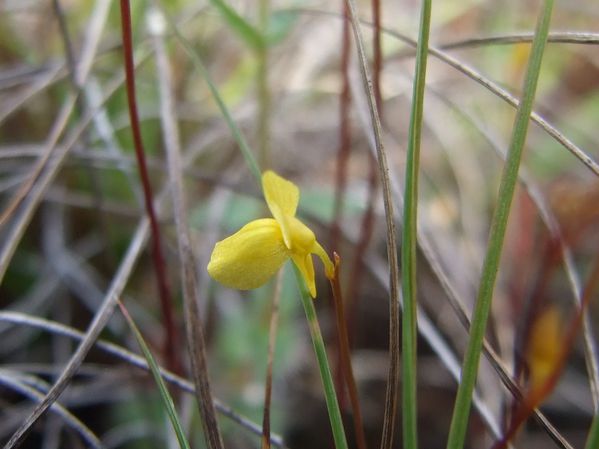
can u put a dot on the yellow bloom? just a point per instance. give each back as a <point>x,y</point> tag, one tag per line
<point>545,347</point>
<point>248,258</point>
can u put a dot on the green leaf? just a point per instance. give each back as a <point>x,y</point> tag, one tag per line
<point>509,178</point>
<point>237,134</point>
<point>250,35</point>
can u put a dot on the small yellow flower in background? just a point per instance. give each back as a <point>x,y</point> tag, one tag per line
<point>545,347</point>
<point>252,255</point>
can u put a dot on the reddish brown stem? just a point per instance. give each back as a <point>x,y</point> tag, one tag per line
<point>366,229</point>
<point>367,224</point>
<point>171,337</point>
<point>537,395</point>
<point>344,351</point>
<point>343,150</point>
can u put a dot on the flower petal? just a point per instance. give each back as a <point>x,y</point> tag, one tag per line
<point>248,258</point>
<point>282,197</point>
<point>329,267</point>
<point>306,267</point>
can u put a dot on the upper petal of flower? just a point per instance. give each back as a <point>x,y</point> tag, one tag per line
<point>248,258</point>
<point>282,197</point>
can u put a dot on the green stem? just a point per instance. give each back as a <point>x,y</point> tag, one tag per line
<point>201,68</point>
<point>262,87</point>
<point>323,364</point>
<point>459,421</point>
<point>593,437</point>
<point>410,237</point>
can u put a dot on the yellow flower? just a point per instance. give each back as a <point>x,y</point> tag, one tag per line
<point>545,347</point>
<point>248,258</point>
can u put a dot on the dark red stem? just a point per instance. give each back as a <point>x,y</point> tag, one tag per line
<point>171,337</point>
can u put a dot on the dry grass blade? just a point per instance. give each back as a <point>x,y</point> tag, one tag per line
<point>494,88</point>
<point>51,167</point>
<point>272,340</point>
<point>93,331</point>
<point>42,81</point>
<point>567,37</point>
<point>15,384</point>
<point>136,361</point>
<point>391,398</point>
<point>550,221</point>
<point>24,189</point>
<point>433,337</point>
<point>188,265</point>
<point>431,334</point>
<point>393,376</point>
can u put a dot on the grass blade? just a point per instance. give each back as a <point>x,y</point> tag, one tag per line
<point>509,179</point>
<point>393,375</point>
<point>410,239</point>
<point>167,400</point>
<point>55,328</point>
<point>201,68</point>
<point>196,344</point>
<point>250,35</point>
<point>593,438</point>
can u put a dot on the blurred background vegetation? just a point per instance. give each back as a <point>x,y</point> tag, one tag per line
<point>72,205</point>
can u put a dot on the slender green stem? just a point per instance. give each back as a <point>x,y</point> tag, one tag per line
<point>323,364</point>
<point>262,88</point>
<point>201,68</point>
<point>410,239</point>
<point>167,400</point>
<point>509,178</point>
<point>593,437</point>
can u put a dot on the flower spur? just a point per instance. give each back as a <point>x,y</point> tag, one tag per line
<point>251,256</point>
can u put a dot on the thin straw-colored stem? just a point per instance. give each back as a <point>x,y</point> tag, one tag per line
<point>134,360</point>
<point>272,341</point>
<point>491,86</point>
<point>393,375</point>
<point>509,178</point>
<point>196,343</point>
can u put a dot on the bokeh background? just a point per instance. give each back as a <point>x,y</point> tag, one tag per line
<point>72,207</point>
